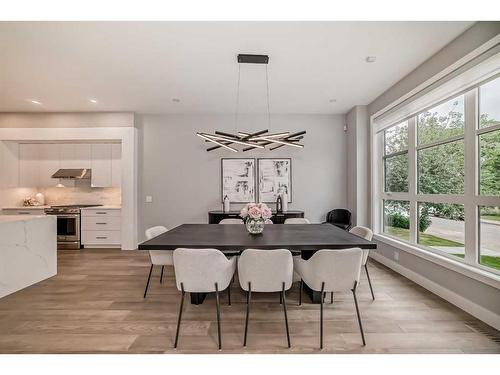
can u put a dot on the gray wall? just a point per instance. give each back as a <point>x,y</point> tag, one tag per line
<point>465,43</point>
<point>184,179</point>
<point>358,146</point>
<point>475,291</point>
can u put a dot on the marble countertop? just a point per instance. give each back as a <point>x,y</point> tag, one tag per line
<point>103,207</point>
<point>11,218</point>
<point>25,208</point>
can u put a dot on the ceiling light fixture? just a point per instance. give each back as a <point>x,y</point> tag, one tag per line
<point>216,142</point>
<point>35,102</point>
<point>176,100</point>
<point>93,101</point>
<point>371,59</point>
<point>258,139</point>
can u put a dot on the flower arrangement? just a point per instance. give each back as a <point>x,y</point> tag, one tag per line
<point>255,216</point>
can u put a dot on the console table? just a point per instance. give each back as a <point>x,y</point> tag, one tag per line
<point>214,217</point>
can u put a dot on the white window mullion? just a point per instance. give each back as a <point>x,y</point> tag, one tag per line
<point>471,178</point>
<point>378,182</point>
<point>412,177</point>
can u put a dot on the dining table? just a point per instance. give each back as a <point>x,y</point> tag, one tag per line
<point>305,239</point>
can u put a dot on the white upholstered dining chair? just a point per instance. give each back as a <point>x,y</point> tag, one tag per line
<point>231,221</point>
<point>158,257</point>
<point>297,220</point>
<point>332,271</point>
<point>265,271</point>
<point>203,271</point>
<point>367,234</point>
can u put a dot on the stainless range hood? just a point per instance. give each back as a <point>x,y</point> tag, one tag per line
<point>73,174</point>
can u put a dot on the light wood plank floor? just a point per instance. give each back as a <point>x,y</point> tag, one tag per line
<point>95,305</point>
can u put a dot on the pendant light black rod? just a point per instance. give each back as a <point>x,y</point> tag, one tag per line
<point>235,136</point>
<point>290,138</point>
<point>295,134</point>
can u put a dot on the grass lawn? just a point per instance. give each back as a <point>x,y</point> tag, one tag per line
<point>424,239</point>
<point>491,217</point>
<point>486,260</point>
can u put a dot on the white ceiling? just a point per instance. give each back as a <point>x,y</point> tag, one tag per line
<point>142,66</point>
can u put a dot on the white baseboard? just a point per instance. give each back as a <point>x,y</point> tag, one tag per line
<point>472,308</point>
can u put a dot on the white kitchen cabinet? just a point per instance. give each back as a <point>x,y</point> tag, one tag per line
<point>49,163</point>
<point>101,227</point>
<point>9,164</point>
<point>116,165</point>
<point>101,165</point>
<point>29,154</point>
<point>31,210</point>
<point>75,155</point>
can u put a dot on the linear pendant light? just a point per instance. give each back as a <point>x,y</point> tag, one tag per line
<point>258,139</point>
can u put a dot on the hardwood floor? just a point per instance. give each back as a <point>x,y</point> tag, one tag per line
<point>95,305</point>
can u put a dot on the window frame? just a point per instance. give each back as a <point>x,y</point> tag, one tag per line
<point>472,200</point>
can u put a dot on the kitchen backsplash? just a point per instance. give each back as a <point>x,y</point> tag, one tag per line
<point>82,195</point>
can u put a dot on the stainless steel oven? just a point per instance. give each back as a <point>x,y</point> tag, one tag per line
<point>68,231</point>
<point>68,225</point>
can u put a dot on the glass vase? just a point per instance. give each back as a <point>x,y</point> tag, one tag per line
<point>255,226</point>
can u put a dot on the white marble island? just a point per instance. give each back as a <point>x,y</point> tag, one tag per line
<point>28,251</point>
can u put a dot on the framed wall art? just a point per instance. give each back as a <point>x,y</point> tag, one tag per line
<point>238,180</point>
<point>274,177</point>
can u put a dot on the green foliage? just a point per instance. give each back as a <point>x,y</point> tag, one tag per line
<point>397,216</point>
<point>441,169</point>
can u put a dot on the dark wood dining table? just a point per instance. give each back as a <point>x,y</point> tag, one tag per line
<point>233,239</point>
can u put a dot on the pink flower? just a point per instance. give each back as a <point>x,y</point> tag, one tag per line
<point>266,212</point>
<point>254,212</point>
<point>244,212</point>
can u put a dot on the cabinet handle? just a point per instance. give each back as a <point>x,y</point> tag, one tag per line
<point>101,237</point>
<point>101,213</point>
<point>24,213</point>
<point>101,223</point>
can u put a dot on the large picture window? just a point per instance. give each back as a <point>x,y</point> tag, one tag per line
<point>441,177</point>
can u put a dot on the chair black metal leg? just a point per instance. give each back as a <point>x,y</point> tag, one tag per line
<point>219,336</point>
<point>300,291</point>
<point>229,295</point>
<point>369,281</point>
<point>331,297</point>
<point>357,312</point>
<point>281,298</point>
<point>286,317</point>
<point>161,276</point>
<point>249,297</point>
<point>180,316</point>
<point>321,316</point>
<point>147,284</point>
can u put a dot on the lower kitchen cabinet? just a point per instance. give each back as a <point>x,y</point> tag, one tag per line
<point>101,227</point>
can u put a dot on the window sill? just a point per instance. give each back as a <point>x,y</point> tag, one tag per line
<point>478,274</point>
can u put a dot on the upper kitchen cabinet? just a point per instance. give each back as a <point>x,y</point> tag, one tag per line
<point>29,165</point>
<point>75,155</point>
<point>49,163</point>
<point>9,164</point>
<point>101,165</point>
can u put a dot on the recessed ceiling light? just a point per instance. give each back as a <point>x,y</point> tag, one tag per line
<point>333,100</point>
<point>35,101</point>
<point>94,101</point>
<point>371,59</point>
<point>176,100</point>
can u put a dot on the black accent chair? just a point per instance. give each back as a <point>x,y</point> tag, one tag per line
<point>340,217</point>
